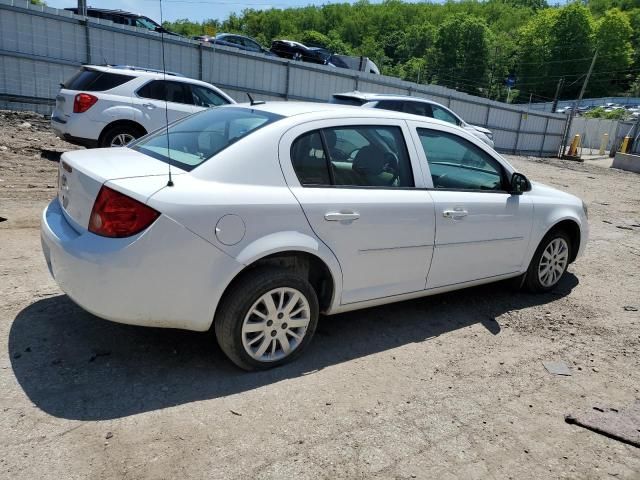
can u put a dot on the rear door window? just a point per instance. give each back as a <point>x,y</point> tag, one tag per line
<point>353,156</point>
<point>95,81</point>
<point>168,91</point>
<point>418,108</point>
<point>395,105</point>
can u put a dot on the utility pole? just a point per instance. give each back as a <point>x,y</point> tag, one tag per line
<point>82,8</point>
<point>555,97</point>
<point>576,103</point>
<point>493,67</point>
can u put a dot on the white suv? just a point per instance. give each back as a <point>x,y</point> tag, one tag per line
<point>414,106</point>
<point>111,106</point>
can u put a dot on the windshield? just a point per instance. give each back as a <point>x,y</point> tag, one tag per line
<point>194,140</point>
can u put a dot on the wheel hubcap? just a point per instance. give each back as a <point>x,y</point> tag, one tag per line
<point>122,139</point>
<point>276,324</point>
<point>553,262</point>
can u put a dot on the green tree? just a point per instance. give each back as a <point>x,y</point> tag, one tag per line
<point>462,53</point>
<point>613,41</point>
<point>572,46</point>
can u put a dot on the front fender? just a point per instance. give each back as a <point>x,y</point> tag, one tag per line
<point>547,219</point>
<point>291,241</point>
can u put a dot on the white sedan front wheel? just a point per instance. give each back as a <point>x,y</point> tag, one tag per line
<point>267,318</point>
<point>549,263</point>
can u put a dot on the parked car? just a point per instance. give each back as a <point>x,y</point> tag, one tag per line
<point>252,238</point>
<point>414,106</point>
<point>361,64</point>
<point>113,105</point>
<point>122,17</point>
<point>297,51</point>
<point>235,41</point>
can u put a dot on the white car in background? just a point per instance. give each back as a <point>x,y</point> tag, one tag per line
<point>111,106</point>
<point>274,213</point>
<point>414,106</point>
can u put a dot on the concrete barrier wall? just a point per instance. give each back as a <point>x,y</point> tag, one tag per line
<point>40,47</point>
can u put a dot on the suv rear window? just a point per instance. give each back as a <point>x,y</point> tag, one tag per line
<point>197,138</point>
<point>95,81</point>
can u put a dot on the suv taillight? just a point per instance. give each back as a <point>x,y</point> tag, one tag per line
<point>116,215</point>
<point>83,102</point>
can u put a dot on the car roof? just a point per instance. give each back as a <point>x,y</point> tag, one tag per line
<point>147,73</point>
<point>385,96</point>
<point>311,109</point>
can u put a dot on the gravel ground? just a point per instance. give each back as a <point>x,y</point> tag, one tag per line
<point>450,386</point>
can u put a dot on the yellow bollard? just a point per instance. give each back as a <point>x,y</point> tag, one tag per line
<point>603,143</point>
<point>573,148</point>
<point>625,145</point>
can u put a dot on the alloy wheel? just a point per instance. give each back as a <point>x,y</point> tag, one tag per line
<point>276,324</point>
<point>122,139</point>
<point>553,262</point>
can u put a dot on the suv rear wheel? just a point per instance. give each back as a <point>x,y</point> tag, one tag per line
<point>267,318</point>
<point>120,135</point>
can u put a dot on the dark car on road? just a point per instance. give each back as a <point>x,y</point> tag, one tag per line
<point>122,17</point>
<point>297,51</point>
<point>235,41</point>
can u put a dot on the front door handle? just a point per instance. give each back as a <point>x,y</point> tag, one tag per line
<point>150,106</point>
<point>341,216</point>
<point>455,213</point>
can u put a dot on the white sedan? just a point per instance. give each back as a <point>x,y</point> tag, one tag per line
<point>275,213</point>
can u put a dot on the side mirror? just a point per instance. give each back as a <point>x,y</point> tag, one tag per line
<point>519,184</point>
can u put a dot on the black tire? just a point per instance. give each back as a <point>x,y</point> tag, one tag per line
<point>111,133</point>
<point>532,281</point>
<point>241,296</point>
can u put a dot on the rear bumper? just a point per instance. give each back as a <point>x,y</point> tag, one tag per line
<point>165,276</point>
<point>77,129</point>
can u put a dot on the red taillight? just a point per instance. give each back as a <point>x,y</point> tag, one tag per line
<point>83,102</point>
<point>116,215</point>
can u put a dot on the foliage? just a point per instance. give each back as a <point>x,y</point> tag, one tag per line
<point>613,39</point>
<point>462,52</point>
<point>470,45</point>
<point>599,112</point>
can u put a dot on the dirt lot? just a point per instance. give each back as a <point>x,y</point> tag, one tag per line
<point>445,387</point>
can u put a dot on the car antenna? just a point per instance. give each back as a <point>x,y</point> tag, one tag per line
<point>166,107</point>
<point>253,102</point>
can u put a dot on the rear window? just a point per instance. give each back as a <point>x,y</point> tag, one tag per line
<point>357,102</point>
<point>194,140</point>
<point>95,81</point>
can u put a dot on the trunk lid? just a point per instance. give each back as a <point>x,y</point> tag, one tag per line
<point>82,172</point>
<point>64,104</point>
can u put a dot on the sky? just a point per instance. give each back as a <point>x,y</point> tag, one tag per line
<point>197,10</point>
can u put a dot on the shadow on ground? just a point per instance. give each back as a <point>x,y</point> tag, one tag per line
<point>76,366</point>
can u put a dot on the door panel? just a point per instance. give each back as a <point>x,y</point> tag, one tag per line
<point>482,235</point>
<point>157,96</point>
<point>379,226</point>
<point>386,250</point>
<point>481,230</point>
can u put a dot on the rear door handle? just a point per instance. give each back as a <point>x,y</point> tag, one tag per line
<point>341,216</point>
<point>455,213</point>
<point>150,106</point>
